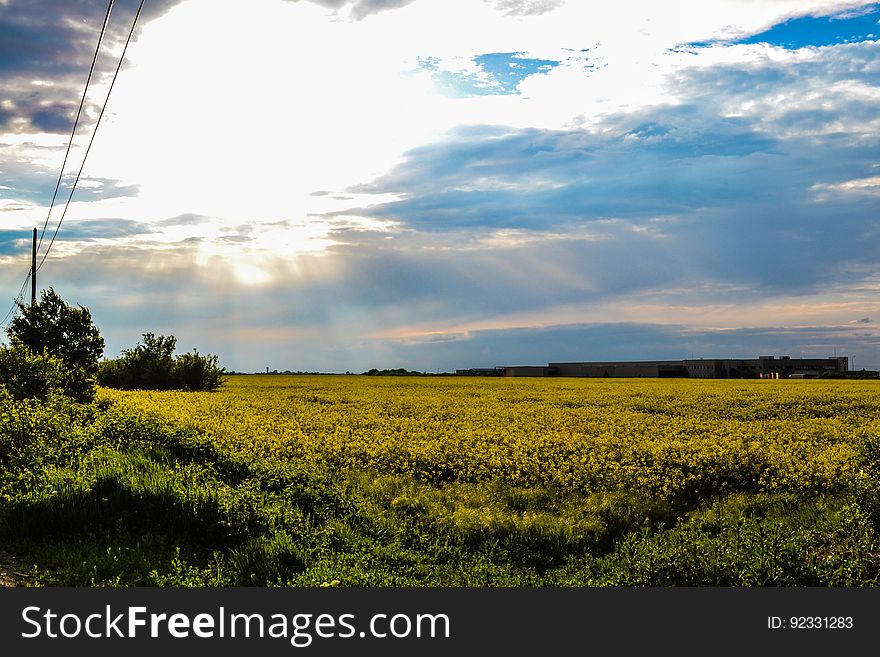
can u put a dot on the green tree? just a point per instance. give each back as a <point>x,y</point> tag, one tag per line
<point>153,361</point>
<point>194,371</point>
<point>53,328</point>
<point>151,365</point>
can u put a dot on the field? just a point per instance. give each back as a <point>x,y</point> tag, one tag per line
<point>433,481</point>
<point>670,438</point>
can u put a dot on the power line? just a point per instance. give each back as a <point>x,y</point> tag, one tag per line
<point>20,295</point>
<point>76,120</point>
<point>94,132</point>
<point>18,299</point>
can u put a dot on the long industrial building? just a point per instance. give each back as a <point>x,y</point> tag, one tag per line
<point>763,367</point>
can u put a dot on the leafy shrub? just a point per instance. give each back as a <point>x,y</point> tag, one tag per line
<point>151,365</point>
<point>193,371</point>
<point>29,375</point>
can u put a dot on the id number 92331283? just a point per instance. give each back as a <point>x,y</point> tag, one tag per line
<point>810,623</point>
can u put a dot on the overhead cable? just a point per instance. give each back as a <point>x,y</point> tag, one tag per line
<point>82,102</point>
<point>18,299</point>
<point>94,132</point>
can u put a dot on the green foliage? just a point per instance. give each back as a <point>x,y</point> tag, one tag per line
<point>193,371</point>
<point>116,374</point>
<point>148,366</point>
<point>867,479</point>
<point>29,375</point>
<point>151,365</point>
<point>103,495</point>
<point>54,328</point>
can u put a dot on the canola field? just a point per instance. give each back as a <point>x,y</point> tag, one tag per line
<point>675,438</point>
<point>448,481</point>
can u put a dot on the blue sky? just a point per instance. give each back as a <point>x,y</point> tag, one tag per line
<point>433,184</point>
<point>858,24</point>
<point>494,73</point>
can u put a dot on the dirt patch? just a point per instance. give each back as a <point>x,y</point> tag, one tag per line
<point>11,569</point>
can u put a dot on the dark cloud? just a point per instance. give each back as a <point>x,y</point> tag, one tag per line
<point>18,241</point>
<point>671,162</point>
<point>764,81</point>
<point>55,118</point>
<point>52,42</point>
<point>45,38</point>
<point>14,242</point>
<point>688,188</point>
<point>88,230</point>
<point>27,183</point>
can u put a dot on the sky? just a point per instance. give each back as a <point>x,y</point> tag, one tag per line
<point>339,185</point>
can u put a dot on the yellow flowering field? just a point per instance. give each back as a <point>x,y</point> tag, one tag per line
<point>666,437</point>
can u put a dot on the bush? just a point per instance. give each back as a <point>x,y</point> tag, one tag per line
<point>197,372</point>
<point>151,365</point>
<point>29,375</point>
<point>51,329</point>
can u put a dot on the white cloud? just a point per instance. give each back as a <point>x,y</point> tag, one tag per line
<point>868,188</point>
<point>244,115</point>
<point>233,113</point>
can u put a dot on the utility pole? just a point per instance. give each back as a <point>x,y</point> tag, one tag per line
<point>34,271</point>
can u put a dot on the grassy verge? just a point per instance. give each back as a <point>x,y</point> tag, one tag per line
<point>94,495</point>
